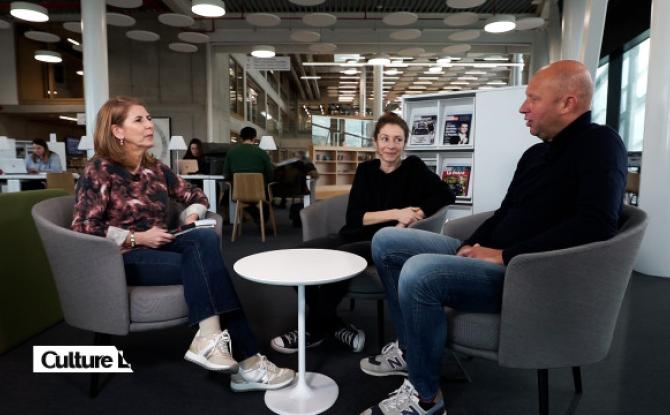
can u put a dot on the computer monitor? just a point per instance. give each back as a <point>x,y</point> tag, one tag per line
<point>71,145</point>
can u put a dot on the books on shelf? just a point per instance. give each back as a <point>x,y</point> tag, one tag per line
<point>198,224</point>
<point>457,129</point>
<point>423,128</point>
<point>457,173</point>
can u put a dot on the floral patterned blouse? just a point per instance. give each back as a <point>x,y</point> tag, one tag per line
<point>111,201</point>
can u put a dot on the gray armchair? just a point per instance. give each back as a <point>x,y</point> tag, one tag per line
<point>91,281</point>
<point>559,308</point>
<point>328,216</point>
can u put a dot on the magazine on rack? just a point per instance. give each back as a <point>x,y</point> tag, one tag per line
<point>457,129</point>
<point>423,130</point>
<point>198,224</point>
<point>457,176</point>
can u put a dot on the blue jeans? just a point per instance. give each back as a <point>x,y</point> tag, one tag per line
<point>421,275</point>
<point>194,259</point>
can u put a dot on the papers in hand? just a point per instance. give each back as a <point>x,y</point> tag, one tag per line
<point>202,223</point>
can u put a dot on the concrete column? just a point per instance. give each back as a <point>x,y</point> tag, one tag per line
<point>539,56</point>
<point>378,91</point>
<point>654,198</point>
<point>362,93</point>
<point>583,26</point>
<point>516,74</point>
<point>96,69</point>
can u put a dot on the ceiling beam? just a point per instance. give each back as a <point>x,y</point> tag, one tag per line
<point>312,72</point>
<point>298,84</point>
<point>301,72</point>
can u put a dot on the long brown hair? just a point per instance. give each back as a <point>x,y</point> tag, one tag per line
<point>47,153</point>
<point>114,112</point>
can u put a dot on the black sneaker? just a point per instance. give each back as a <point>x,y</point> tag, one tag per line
<point>288,343</point>
<point>352,337</point>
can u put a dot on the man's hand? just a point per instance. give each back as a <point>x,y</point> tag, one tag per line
<point>191,218</point>
<point>480,252</point>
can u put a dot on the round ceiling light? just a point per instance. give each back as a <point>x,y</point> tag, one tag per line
<point>42,36</point>
<point>528,23</point>
<point>456,49</point>
<point>464,35</point>
<point>263,19</point>
<point>28,11</point>
<point>193,37</point>
<point>208,8</point>
<point>263,51</point>
<point>183,47</point>
<point>379,59</point>
<point>406,34</point>
<point>435,69</point>
<point>500,23</point>
<point>175,19</point>
<point>72,27</point>
<point>323,47</point>
<point>412,51</point>
<point>400,18</point>
<point>461,19</point>
<point>307,2</point>
<point>125,4</point>
<point>48,56</point>
<point>319,19</point>
<point>143,35</point>
<point>444,61</point>
<point>305,36</point>
<point>120,20</point>
<point>464,4</point>
<point>4,24</point>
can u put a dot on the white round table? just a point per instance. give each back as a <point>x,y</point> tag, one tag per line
<point>313,393</point>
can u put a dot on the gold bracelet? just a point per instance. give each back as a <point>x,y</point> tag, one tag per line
<point>132,239</point>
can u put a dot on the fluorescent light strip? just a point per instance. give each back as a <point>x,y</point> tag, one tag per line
<point>65,117</point>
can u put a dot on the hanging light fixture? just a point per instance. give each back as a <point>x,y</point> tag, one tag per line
<point>48,56</point>
<point>500,23</point>
<point>208,8</point>
<point>379,59</point>
<point>263,51</point>
<point>28,11</point>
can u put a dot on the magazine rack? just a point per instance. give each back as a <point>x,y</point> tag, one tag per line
<point>473,140</point>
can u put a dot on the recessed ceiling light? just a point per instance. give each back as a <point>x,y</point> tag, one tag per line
<point>80,72</point>
<point>461,19</point>
<point>208,8</point>
<point>45,37</point>
<point>400,18</point>
<point>500,23</point>
<point>193,37</point>
<point>319,19</point>
<point>183,47</point>
<point>323,47</point>
<point>48,56</point>
<point>455,49</point>
<point>435,69</point>
<point>28,11</point>
<point>143,35</point>
<point>406,34</point>
<point>443,61</point>
<point>72,26</point>
<point>464,35</point>
<point>528,23</point>
<point>307,2</point>
<point>263,19</point>
<point>305,36</point>
<point>263,51</point>
<point>120,20</point>
<point>464,4</point>
<point>176,19</point>
<point>379,59</point>
<point>125,4</point>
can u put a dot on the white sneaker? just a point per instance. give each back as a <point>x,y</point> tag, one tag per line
<point>405,400</point>
<point>258,373</point>
<point>213,352</point>
<point>390,362</point>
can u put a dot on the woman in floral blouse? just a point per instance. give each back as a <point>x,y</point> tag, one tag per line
<point>123,195</point>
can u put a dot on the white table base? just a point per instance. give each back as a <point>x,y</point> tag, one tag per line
<point>312,393</point>
<point>313,396</point>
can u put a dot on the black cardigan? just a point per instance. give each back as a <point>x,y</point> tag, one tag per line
<point>411,184</point>
<point>564,193</point>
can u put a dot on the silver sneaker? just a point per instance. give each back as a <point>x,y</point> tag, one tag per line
<point>260,374</point>
<point>404,401</point>
<point>389,363</point>
<point>213,352</point>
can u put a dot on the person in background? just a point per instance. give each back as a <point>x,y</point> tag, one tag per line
<point>386,192</point>
<point>195,152</point>
<point>123,195</point>
<point>43,160</point>
<point>566,191</point>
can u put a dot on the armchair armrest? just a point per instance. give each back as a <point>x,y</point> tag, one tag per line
<point>462,228</point>
<point>324,217</point>
<point>433,223</point>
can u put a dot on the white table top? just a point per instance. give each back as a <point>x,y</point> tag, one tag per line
<point>300,266</point>
<point>202,176</point>
<point>23,176</point>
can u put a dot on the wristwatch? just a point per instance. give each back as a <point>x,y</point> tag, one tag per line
<point>132,239</point>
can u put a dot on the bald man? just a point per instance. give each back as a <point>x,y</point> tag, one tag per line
<point>567,190</point>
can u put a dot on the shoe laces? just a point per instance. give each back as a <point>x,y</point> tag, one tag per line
<point>223,344</point>
<point>346,335</point>
<point>291,337</point>
<point>402,397</point>
<point>391,348</point>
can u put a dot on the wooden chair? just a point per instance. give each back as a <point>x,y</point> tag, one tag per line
<point>64,180</point>
<point>249,188</point>
<point>632,188</point>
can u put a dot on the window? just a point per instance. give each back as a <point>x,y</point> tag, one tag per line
<point>633,94</point>
<point>599,106</point>
<point>236,85</point>
<point>256,101</point>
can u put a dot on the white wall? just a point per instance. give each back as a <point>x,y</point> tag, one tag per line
<point>8,86</point>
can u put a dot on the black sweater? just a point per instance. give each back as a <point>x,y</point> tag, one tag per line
<point>411,184</point>
<point>564,193</point>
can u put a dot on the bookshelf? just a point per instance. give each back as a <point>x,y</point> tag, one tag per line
<point>476,133</point>
<point>337,166</point>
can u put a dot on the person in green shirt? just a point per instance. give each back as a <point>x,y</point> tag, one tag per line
<point>247,157</point>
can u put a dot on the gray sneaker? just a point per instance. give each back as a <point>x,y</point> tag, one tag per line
<point>390,362</point>
<point>258,373</point>
<point>213,352</point>
<point>405,400</point>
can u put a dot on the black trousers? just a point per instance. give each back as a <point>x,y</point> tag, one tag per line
<point>322,300</point>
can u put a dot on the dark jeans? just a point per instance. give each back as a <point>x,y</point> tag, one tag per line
<point>323,300</point>
<point>194,259</point>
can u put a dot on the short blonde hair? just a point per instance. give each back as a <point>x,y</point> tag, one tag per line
<point>114,112</point>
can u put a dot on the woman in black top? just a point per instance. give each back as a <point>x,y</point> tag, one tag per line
<point>386,191</point>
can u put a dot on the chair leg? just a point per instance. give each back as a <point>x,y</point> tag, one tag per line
<point>260,208</point>
<point>543,390</point>
<point>235,222</point>
<point>99,339</point>
<point>577,378</point>
<point>273,221</point>
<point>380,322</point>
